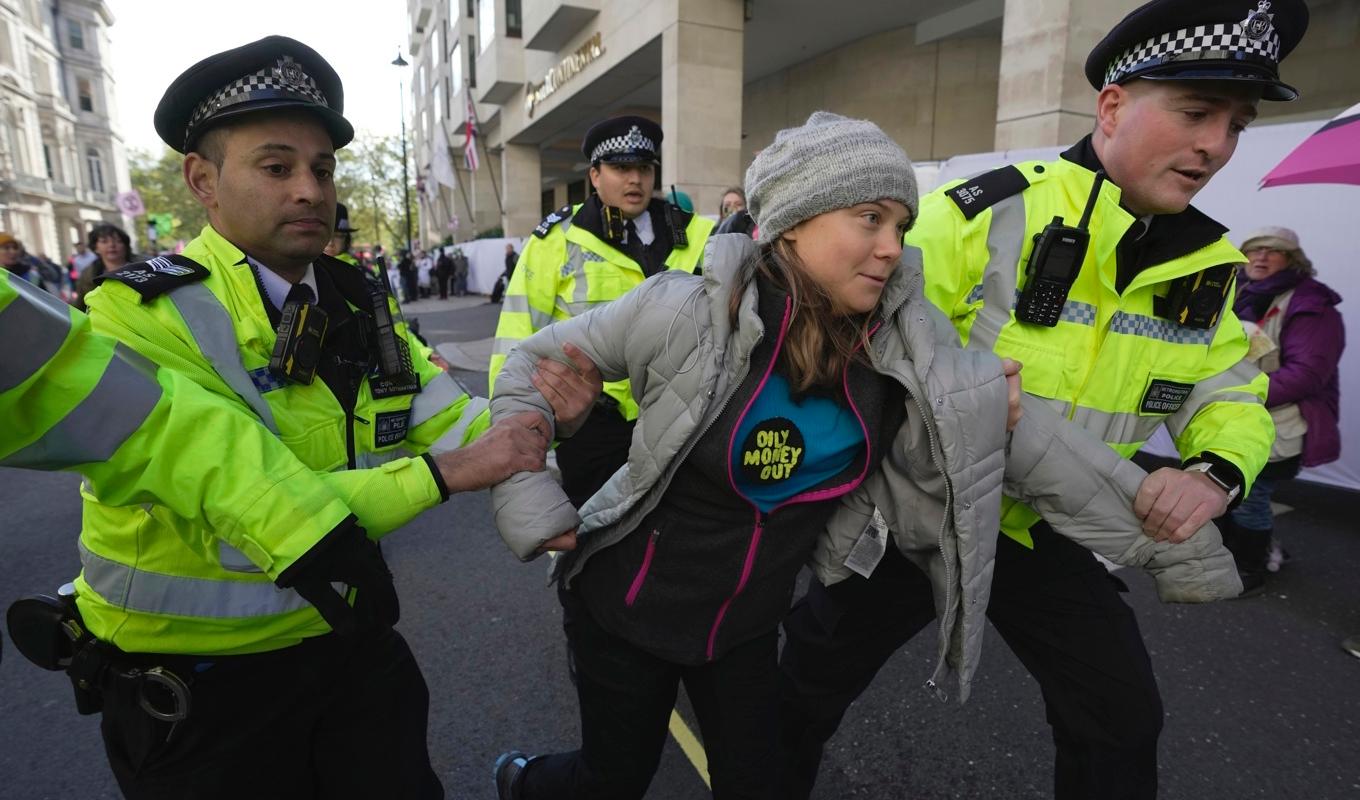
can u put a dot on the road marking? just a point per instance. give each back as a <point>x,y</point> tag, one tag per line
<point>691,747</point>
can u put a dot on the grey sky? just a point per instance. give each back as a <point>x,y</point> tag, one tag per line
<point>154,41</point>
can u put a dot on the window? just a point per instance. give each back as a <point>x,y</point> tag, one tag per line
<point>486,22</point>
<point>472,8</point>
<point>576,192</point>
<point>47,160</point>
<point>75,34</point>
<point>512,19</point>
<point>96,167</point>
<point>85,93</point>
<point>456,67</point>
<point>545,202</point>
<point>6,49</point>
<point>435,52</point>
<point>472,61</point>
<point>438,101</point>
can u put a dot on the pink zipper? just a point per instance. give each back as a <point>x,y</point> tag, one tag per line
<point>824,494</point>
<point>641,575</point>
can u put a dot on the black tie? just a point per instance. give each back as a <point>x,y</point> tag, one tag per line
<point>630,232</point>
<point>300,293</point>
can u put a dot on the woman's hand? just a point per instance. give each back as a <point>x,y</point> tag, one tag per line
<point>561,544</point>
<point>1011,368</point>
<point>570,390</point>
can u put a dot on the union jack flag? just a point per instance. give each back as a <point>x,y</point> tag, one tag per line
<point>470,131</point>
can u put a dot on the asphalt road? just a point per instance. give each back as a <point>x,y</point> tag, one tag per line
<point>1261,701</point>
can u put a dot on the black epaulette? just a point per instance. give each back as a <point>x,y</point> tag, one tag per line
<point>978,194</point>
<point>552,219</point>
<point>154,277</point>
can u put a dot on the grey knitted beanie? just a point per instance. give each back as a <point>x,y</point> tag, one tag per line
<point>829,162</point>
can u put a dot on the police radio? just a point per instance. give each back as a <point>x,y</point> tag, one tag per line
<point>297,350</point>
<point>1196,301</point>
<point>395,373</point>
<point>1053,265</point>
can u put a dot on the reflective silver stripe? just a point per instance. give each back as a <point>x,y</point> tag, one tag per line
<point>234,560</point>
<point>453,437</point>
<point>99,424</point>
<point>33,328</point>
<point>1220,388</point>
<point>1005,239</point>
<point>1117,427</point>
<point>519,304</point>
<point>215,336</point>
<point>370,460</point>
<point>441,393</point>
<point>1072,311</point>
<point>1161,329</point>
<point>577,256</point>
<point>157,593</point>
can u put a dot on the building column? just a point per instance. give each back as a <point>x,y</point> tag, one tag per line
<point>1043,98</point>
<point>522,188</point>
<point>701,91</point>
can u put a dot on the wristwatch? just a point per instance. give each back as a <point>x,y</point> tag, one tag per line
<point>1230,488</point>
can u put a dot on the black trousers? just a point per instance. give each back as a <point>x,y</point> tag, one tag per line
<point>626,696</point>
<point>443,281</point>
<point>590,457</point>
<point>1060,613</point>
<point>328,718</point>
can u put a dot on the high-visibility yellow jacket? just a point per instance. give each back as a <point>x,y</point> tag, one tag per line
<point>154,581</point>
<point>564,270</point>
<point>74,400</point>
<point>1111,364</point>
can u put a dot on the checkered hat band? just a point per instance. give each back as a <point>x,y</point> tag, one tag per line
<point>630,142</point>
<point>261,85</point>
<point>1224,41</point>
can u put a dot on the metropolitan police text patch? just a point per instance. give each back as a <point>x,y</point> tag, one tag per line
<point>157,276</point>
<point>1165,397</point>
<point>389,427</point>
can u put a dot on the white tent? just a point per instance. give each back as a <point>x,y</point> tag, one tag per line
<point>486,261</point>
<point>1325,217</point>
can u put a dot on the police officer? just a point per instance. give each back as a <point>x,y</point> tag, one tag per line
<point>342,239</point>
<point>592,253</point>
<point>1123,322</point>
<point>306,692</point>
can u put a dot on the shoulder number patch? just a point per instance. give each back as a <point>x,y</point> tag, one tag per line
<point>551,220</point>
<point>986,190</point>
<point>157,276</point>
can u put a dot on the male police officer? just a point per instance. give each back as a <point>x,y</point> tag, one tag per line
<point>294,693</point>
<point>342,238</point>
<point>1123,321</point>
<point>593,253</point>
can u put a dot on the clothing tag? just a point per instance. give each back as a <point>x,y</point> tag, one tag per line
<point>393,385</point>
<point>389,427</point>
<point>868,551</point>
<point>1165,397</point>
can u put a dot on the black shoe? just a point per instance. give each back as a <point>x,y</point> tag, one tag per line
<point>1253,583</point>
<point>510,774</point>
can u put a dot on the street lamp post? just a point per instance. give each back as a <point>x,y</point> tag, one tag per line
<point>405,179</point>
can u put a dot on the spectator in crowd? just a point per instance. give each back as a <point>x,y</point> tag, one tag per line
<point>733,200</point>
<point>406,268</point>
<point>82,257</point>
<point>460,273</point>
<point>511,259</point>
<point>12,258</point>
<point>112,248</point>
<point>1296,337</point>
<point>424,273</point>
<point>443,271</point>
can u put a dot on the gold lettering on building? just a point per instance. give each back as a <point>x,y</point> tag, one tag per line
<point>565,70</point>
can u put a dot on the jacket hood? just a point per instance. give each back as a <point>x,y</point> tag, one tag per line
<point>1313,295</point>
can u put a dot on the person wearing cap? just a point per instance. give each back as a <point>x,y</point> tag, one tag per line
<point>1297,336</point>
<point>592,253</point>
<point>342,238</point>
<point>300,686</point>
<point>1125,333</point>
<point>766,438</point>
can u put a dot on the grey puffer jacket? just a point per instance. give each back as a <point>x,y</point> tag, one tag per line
<point>939,489</point>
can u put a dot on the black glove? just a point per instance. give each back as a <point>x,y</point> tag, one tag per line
<point>345,555</point>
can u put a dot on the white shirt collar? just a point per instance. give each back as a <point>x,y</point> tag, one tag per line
<point>276,287</point>
<point>643,223</point>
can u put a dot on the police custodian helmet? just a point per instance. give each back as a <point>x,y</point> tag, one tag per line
<point>273,73</point>
<point>623,140</point>
<point>1221,40</point>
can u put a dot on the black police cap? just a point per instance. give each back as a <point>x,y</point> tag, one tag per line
<point>273,73</point>
<point>622,140</point>
<point>342,220</point>
<point>1224,40</point>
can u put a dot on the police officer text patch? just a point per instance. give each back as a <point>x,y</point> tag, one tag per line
<point>1165,397</point>
<point>389,427</point>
